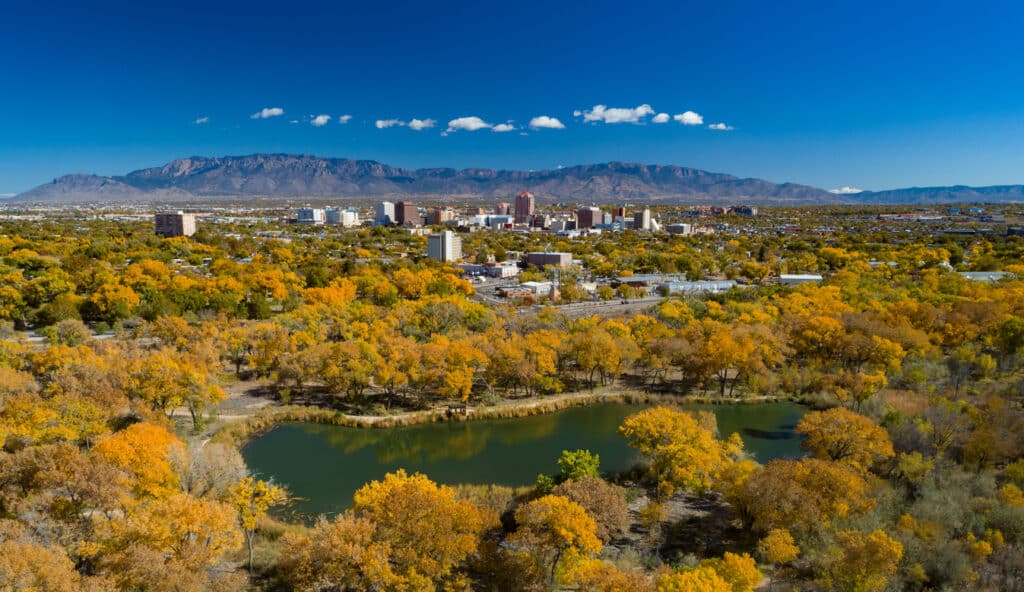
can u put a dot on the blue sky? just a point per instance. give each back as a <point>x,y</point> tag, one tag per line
<point>866,94</point>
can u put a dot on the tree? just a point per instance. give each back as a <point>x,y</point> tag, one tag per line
<point>777,548</point>
<point>683,452</point>
<point>863,562</point>
<point>411,512</point>
<point>551,528</point>
<point>29,566</point>
<point>739,571</point>
<point>596,575</point>
<point>251,500</point>
<point>605,502</point>
<point>111,302</point>
<point>844,436</point>
<point>144,451</point>
<point>804,495</point>
<point>342,554</point>
<point>198,532</point>
<point>701,579</point>
<point>581,463</point>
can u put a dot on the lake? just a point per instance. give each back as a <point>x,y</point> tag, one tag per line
<point>324,465</point>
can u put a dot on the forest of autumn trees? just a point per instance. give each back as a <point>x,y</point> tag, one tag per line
<point>912,478</point>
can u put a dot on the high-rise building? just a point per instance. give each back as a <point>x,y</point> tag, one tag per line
<point>501,209</point>
<point>407,214</point>
<point>310,216</point>
<point>618,212</point>
<point>439,216</point>
<point>384,214</point>
<point>444,246</point>
<point>642,220</point>
<point>349,218</point>
<point>587,217</point>
<point>175,223</point>
<point>332,215</point>
<point>525,203</point>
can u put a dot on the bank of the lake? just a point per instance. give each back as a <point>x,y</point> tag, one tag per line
<point>240,429</point>
<point>324,464</point>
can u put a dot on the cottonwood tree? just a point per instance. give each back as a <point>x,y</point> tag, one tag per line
<point>683,453</point>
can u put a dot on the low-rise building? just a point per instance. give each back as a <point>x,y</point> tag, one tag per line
<point>310,216</point>
<point>697,287</point>
<point>541,259</point>
<point>795,279</point>
<point>983,276</point>
<point>503,269</point>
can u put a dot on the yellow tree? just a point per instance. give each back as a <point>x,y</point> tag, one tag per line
<point>595,575</point>
<point>30,567</point>
<point>777,548</point>
<point>551,528</point>
<point>145,452</point>
<point>863,562</point>
<point>251,500</point>
<point>183,534</point>
<point>339,554</point>
<point>739,571</point>
<point>429,530</point>
<point>701,579</point>
<point>682,452</point>
<point>804,495</point>
<point>844,436</point>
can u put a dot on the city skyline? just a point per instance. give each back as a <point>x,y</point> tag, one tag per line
<point>874,96</point>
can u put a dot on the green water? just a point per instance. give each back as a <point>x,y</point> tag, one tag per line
<point>324,465</point>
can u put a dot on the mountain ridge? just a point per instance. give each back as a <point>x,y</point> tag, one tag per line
<point>291,176</point>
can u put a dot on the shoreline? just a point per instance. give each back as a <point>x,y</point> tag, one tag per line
<point>238,433</point>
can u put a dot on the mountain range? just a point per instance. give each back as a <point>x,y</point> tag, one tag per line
<point>285,176</point>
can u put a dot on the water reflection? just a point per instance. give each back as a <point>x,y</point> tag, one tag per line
<point>326,464</point>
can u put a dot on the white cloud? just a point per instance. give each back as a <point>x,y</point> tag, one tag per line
<point>845,190</point>
<point>689,118</point>
<point>616,114</point>
<point>386,123</point>
<point>344,119</point>
<point>721,127</point>
<point>660,118</point>
<point>267,113</point>
<point>577,113</point>
<point>469,124</point>
<point>503,127</point>
<point>320,120</point>
<point>201,120</point>
<point>543,121</point>
<point>421,124</point>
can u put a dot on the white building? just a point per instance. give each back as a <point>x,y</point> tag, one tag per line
<point>310,216</point>
<point>384,214</point>
<point>794,279</point>
<point>698,287</point>
<point>444,246</point>
<point>349,218</point>
<point>503,269</point>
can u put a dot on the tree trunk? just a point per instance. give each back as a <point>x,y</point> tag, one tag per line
<point>249,536</point>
